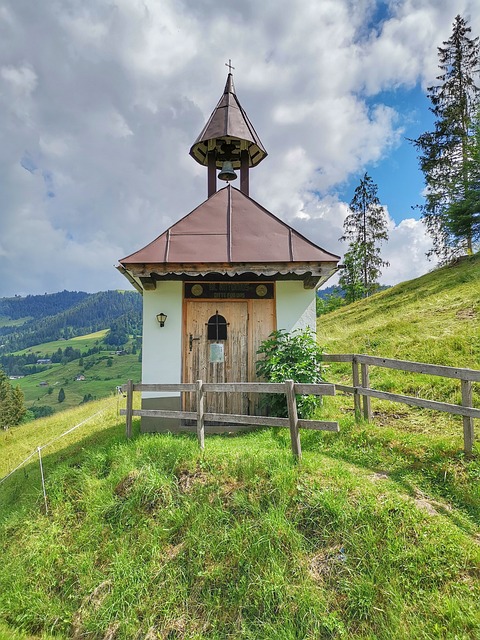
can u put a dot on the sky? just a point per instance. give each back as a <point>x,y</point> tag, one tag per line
<point>100,102</point>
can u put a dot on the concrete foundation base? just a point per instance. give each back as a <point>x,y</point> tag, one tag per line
<point>161,425</point>
<point>174,425</point>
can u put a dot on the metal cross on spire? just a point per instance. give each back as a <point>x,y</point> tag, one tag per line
<point>229,65</point>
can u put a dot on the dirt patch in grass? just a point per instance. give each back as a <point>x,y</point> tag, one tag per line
<point>384,418</point>
<point>125,485</point>
<point>93,600</point>
<point>326,562</point>
<point>432,507</point>
<point>379,475</point>
<point>188,480</point>
<point>172,551</point>
<point>466,314</point>
<point>111,633</point>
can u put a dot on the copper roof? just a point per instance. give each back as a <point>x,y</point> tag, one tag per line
<point>227,121</point>
<point>229,227</point>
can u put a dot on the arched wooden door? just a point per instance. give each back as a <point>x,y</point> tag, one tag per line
<point>216,349</point>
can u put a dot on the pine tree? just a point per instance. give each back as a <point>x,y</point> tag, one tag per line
<point>365,228</point>
<point>61,395</point>
<point>446,154</point>
<point>463,217</point>
<point>12,407</point>
<point>351,280</point>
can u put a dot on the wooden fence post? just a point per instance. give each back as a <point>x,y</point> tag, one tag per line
<point>129,408</point>
<point>200,415</point>
<point>356,384</point>
<point>293,417</point>
<point>367,405</point>
<point>43,479</point>
<point>468,434</point>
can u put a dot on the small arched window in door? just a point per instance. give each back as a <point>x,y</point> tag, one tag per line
<point>217,328</point>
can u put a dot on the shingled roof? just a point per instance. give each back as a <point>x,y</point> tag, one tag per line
<point>229,227</point>
<point>229,120</point>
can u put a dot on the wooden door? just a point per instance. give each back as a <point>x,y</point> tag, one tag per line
<point>200,350</point>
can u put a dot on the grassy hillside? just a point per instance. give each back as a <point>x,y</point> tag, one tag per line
<point>79,342</point>
<point>374,536</point>
<point>435,318</point>
<point>103,372</point>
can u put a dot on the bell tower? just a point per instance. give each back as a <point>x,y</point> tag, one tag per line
<point>228,141</point>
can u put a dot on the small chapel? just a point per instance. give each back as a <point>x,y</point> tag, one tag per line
<point>222,278</point>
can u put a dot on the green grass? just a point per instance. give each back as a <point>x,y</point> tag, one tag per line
<point>101,379</point>
<point>83,343</point>
<point>373,535</point>
<point>5,321</point>
<point>433,319</point>
<point>17,443</point>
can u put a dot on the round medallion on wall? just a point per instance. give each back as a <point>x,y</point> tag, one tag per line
<point>261,290</point>
<point>197,290</point>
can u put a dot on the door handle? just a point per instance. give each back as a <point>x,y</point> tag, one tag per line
<point>190,341</point>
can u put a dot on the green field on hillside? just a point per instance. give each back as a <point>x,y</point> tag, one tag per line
<point>374,535</point>
<point>433,319</point>
<point>8,322</point>
<point>80,342</point>
<point>100,380</point>
<point>103,372</point>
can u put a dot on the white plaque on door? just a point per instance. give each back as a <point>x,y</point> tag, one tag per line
<point>216,352</point>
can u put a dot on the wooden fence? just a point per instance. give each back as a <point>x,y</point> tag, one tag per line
<point>362,392</point>
<point>289,388</point>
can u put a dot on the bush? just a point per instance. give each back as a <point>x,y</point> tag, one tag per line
<point>41,412</point>
<point>331,302</point>
<point>12,407</point>
<point>290,356</point>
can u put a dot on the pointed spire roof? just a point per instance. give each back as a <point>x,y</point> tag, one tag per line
<point>228,123</point>
<point>230,228</point>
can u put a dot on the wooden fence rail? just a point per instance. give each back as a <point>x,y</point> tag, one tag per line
<point>362,392</point>
<point>289,388</point>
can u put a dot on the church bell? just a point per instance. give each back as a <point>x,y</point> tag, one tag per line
<point>227,173</point>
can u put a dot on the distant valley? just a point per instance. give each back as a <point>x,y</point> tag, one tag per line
<point>67,348</point>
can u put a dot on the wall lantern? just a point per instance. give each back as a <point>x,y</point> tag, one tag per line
<point>161,317</point>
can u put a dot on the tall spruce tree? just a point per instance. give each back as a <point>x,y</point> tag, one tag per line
<point>463,217</point>
<point>365,228</point>
<point>351,280</point>
<point>446,154</point>
<point>12,408</point>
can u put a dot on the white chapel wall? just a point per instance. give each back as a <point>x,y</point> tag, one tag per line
<point>162,346</point>
<point>295,306</point>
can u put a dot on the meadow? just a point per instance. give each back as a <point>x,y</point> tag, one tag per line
<point>374,535</point>
<point>103,372</point>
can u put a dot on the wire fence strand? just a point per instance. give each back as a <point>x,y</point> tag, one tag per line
<point>44,446</point>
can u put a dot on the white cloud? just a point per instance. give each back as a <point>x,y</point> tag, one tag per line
<point>100,103</point>
<point>405,251</point>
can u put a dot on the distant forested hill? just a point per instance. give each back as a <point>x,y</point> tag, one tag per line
<point>40,306</point>
<point>65,315</point>
<point>335,290</point>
